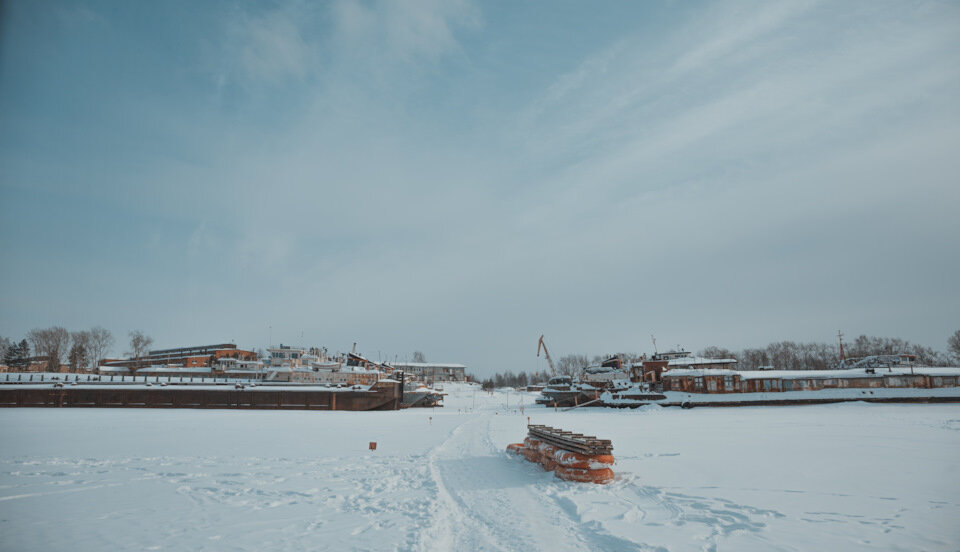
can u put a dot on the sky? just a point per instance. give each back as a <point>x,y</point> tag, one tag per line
<point>459,178</point>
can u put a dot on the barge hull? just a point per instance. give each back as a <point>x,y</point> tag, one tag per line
<point>383,396</point>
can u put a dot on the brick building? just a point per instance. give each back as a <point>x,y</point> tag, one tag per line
<point>201,356</point>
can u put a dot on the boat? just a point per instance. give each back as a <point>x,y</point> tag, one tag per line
<point>417,394</point>
<point>563,391</point>
<point>885,378</point>
<point>559,391</point>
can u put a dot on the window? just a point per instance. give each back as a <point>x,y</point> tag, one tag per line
<point>698,384</point>
<point>728,382</point>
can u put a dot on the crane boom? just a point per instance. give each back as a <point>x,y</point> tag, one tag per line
<point>546,353</point>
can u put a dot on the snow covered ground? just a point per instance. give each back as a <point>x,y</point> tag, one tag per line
<point>833,477</point>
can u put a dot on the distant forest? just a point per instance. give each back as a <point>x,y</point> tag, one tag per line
<point>782,355</point>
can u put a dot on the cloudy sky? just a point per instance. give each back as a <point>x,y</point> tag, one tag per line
<point>458,177</point>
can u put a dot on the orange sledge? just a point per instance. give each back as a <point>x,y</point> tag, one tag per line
<point>570,456</point>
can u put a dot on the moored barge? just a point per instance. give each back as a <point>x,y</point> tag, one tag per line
<point>872,381</point>
<point>87,391</point>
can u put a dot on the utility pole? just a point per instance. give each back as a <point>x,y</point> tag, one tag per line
<point>840,337</point>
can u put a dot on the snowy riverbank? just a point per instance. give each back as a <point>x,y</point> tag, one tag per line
<point>847,476</point>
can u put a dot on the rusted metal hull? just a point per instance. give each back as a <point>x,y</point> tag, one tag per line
<point>380,397</point>
<point>564,398</point>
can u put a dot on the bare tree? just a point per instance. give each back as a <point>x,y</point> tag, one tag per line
<point>101,340</point>
<point>418,356</point>
<point>953,345</point>
<point>716,352</point>
<point>139,344</point>
<point>79,357</point>
<point>5,344</point>
<point>571,365</point>
<point>51,343</point>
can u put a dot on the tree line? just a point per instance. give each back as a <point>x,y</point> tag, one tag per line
<point>790,355</point>
<point>80,350</point>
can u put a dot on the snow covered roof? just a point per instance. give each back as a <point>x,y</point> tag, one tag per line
<point>851,373</point>
<point>359,370</point>
<point>173,370</point>
<point>698,361</point>
<point>698,372</point>
<point>811,374</point>
<point>228,360</point>
<point>426,365</point>
<point>599,369</point>
<point>113,369</point>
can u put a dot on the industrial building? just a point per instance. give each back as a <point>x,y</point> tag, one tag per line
<point>431,372</point>
<point>201,356</point>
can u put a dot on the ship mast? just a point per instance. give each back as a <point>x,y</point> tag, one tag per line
<point>840,337</point>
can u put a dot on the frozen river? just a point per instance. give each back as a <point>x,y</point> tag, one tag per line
<point>836,477</point>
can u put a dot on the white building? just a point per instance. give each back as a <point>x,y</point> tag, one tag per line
<point>430,372</point>
<point>287,356</point>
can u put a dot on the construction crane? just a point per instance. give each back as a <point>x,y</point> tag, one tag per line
<point>546,353</point>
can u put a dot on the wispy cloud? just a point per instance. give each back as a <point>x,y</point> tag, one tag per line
<point>403,31</point>
<point>269,45</point>
<point>635,111</point>
<point>730,177</point>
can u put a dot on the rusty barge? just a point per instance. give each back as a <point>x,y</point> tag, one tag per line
<point>94,392</point>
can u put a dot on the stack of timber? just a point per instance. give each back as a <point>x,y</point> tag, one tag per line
<point>570,456</point>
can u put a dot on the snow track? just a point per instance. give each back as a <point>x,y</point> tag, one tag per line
<point>483,506</point>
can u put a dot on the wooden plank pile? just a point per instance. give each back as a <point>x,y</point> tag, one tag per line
<point>570,456</point>
<point>574,442</point>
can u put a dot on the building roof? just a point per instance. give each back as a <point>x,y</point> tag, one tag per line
<point>426,365</point>
<point>174,370</point>
<point>813,374</point>
<point>698,372</point>
<point>194,348</point>
<point>699,361</point>
<point>850,373</point>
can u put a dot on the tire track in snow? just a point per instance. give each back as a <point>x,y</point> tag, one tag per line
<point>453,528</point>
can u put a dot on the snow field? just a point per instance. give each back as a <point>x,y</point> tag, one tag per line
<point>849,476</point>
